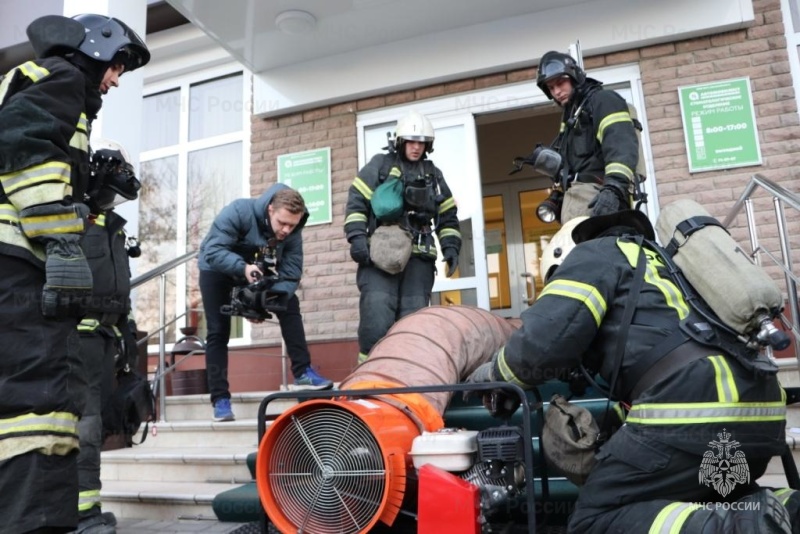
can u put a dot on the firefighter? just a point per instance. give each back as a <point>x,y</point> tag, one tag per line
<point>426,206</point>
<point>46,109</point>
<point>701,423</point>
<point>105,331</point>
<point>597,141</point>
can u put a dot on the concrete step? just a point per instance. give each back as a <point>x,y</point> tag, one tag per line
<point>163,501</point>
<point>200,434</point>
<point>245,406</point>
<point>185,464</point>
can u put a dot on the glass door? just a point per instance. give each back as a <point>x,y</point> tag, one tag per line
<point>514,240</point>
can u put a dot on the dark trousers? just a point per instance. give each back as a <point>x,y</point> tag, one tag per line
<point>386,298</point>
<point>98,349</point>
<point>637,476</point>
<point>215,288</point>
<point>40,373</point>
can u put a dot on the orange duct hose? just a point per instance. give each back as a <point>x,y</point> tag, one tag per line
<point>436,345</point>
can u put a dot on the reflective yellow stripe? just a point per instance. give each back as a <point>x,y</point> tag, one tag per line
<point>80,141</point>
<point>448,204</point>
<point>57,223</point>
<point>11,234</point>
<point>671,518</point>
<point>783,494</point>
<point>506,372</point>
<point>100,220</point>
<point>362,187</point>
<point>723,377</point>
<point>33,71</point>
<point>396,172</point>
<point>584,293</point>
<point>672,295</point>
<point>608,120</point>
<point>449,232</point>
<point>52,171</point>
<point>706,412</point>
<point>88,499</point>
<point>619,168</point>
<point>88,325</point>
<point>57,422</point>
<point>355,217</point>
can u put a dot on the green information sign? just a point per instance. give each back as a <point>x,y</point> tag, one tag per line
<point>719,125</point>
<point>309,173</point>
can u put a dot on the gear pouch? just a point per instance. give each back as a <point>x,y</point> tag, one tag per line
<point>387,200</point>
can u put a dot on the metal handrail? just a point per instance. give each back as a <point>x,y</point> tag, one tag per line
<point>781,197</point>
<point>160,272</point>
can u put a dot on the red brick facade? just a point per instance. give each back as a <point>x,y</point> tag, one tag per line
<point>329,295</point>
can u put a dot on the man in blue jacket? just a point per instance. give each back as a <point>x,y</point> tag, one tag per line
<point>245,230</point>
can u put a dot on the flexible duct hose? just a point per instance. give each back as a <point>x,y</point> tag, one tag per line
<point>436,345</point>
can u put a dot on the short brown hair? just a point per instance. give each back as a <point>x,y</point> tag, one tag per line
<point>290,199</point>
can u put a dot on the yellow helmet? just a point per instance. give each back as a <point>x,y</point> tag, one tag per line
<point>557,249</point>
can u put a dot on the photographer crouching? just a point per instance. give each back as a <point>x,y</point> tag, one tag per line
<point>248,236</point>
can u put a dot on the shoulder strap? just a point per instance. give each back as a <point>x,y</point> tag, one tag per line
<point>689,226</point>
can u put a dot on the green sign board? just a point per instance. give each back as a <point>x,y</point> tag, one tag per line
<point>309,173</point>
<point>719,125</point>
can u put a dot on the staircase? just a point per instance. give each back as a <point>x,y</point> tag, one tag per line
<point>185,462</point>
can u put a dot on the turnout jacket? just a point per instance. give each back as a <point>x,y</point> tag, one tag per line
<point>360,220</point>
<point>46,108</point>
<point>597,138</point>
<point>241,231</point>
<point>577,319</point>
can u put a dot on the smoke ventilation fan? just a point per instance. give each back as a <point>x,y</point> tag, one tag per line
<point>329,466</point>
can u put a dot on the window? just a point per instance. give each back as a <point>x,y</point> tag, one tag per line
<point>195,150</point>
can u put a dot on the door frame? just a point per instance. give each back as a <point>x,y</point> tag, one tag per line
<point>462,108</point>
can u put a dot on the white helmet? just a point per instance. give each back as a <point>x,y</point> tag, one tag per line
<point>560,245</point>
<point>415,127</point>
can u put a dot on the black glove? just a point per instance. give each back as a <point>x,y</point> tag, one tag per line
<point>68,278</point>
<point>501,403</point>
<point>359,249</point>
<point>451,258</point>
<point>610,199</point>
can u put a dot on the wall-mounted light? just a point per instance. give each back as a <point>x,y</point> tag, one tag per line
<point>295,22</point>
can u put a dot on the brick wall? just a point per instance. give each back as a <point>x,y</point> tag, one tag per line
<point>328,293</point>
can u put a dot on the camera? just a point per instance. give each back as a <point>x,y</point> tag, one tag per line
<point>258,300</point>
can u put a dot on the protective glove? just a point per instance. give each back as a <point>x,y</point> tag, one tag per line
<point>359,249</point>
<point>68,277</point>
<point>451,258</point>
<point>501,403</point>
<point>610,199</point>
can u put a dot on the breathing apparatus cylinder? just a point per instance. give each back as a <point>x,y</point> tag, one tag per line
<point>738,291</point>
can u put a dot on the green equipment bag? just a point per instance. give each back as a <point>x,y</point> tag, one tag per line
<point>387,200</point>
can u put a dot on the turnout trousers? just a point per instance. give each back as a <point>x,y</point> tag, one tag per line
<point>42,387</point>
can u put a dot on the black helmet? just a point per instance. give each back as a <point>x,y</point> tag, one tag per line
<point>555,65</point>
<point>113,180</point>
<point>103,39</point>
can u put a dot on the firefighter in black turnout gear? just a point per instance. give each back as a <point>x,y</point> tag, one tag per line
<point>107,336</point>
<point>425,205</point>
<point>46,109</point>
<point>687,403</point>
<point>597,141</point>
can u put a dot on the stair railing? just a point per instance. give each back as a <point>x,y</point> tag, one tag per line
<point>161,272</point>
<point>781,198</point>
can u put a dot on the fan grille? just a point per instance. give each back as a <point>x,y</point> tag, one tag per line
<point>326,472</point>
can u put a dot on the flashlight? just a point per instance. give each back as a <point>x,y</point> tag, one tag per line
<point>550,208</point>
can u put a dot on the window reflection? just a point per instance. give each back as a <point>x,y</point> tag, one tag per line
<point>158,199</point>
<point>216,107</point>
